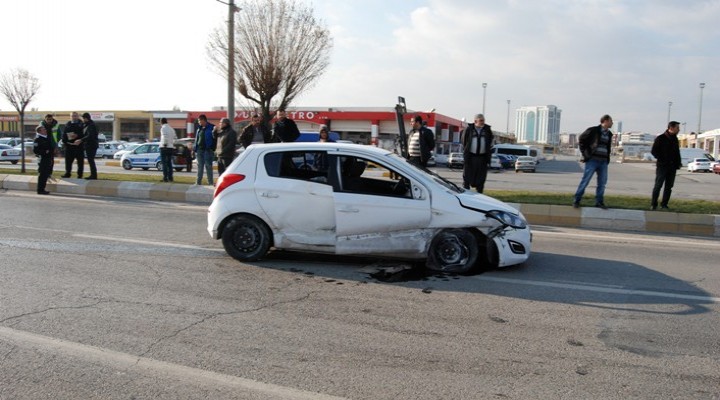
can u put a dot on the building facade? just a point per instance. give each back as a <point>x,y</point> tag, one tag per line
<point>538,125</point>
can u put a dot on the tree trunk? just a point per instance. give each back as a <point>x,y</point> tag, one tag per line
<point>22,141</point>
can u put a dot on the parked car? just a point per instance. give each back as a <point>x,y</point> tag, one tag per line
<point>506,161</point>
<point>525,163</point>
<point>124,149</point>
<point>28,148</point>
<point>716,168</point>
<point>422,215</point>
<point>147,156</point>
<point>699,164</point>
<point>456,160</point>
<point>10,141</point>
<point>8,153</point>
<point>431,162</point>
<point>495,162</point>
<point>108,149</point>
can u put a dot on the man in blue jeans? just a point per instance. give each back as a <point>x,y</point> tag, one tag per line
<point>595,145</point>
<point>204,149</point>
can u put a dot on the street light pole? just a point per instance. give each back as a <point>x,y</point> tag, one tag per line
<point>702,86</point>
<point>484,85</point>
<point>507,121</point>
<point>231,60</point>
<point>669,106</point>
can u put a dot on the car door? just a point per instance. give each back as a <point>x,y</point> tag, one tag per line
<point>297,198</point>
<point>377,209</point>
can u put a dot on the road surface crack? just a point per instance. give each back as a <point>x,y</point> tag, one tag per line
<point>49,309</point>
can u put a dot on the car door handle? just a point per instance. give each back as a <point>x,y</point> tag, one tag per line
<point>269,195</point>
<point>349,210</point>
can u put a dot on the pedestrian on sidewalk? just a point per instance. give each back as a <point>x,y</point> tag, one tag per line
<point>167,149</point>
<point>204,149</point>
<point>226,138</point>
<point>71,140</point>
<point>421,142</point>
<point>50,123</point>
<point>666,149</point>
<point>43,148</point>
<point>90,142</point>
<point>595,145</point>
<point>477,141</point>
<point>285,129</point>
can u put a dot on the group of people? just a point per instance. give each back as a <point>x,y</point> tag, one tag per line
<point>79,139</point>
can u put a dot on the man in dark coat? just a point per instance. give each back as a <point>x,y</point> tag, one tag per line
<point>71,140</point>
<point>421,142</point>
<point>50,123</point>
<point>666,149</point>
<point>285,129</point>
<point>256,132</point>
<point>477,141</point>
<point>595,145</point>
<point>91,143</point>
<point>43,148</point>
<point>226,138</point>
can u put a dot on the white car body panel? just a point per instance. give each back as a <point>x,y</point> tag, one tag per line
<point>312,216</point>
<point>699,164</point>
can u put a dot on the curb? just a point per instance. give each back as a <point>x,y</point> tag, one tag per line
<point>541,214</point>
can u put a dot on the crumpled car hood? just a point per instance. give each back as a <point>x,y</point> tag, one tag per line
<point>479,201</point>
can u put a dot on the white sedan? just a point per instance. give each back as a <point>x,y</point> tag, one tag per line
<point>346,199</point>
<point>699,164</point>
<point>8,153</point>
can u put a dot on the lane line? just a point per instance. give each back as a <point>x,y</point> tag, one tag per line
<point>678,241</point>
<point>125,361</point>
<point>608,290</point>
<point>145,242</point>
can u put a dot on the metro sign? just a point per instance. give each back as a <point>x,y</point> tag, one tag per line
<point>313,116</point>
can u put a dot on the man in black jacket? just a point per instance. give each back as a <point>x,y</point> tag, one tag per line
<point>71,139</point>
<point>595,145</point>
<point>255,132</point>
<point>90,140</point>
<point>226,138</point>
<point>666,149</point>
<point>285,129</point>
<point>477,141</point>
<point>421,141</point>
<point>43,147</point>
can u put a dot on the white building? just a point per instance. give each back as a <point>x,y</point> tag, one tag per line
<point>636,144</point>
<point>538,124</point>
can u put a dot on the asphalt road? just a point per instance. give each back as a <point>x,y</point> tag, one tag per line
<point>113,299</point>
<point>560,175</point>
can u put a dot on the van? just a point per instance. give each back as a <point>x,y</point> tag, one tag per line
<point>688,154</point>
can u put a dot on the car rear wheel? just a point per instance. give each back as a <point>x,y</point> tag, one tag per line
<point>246,238</point>
<point>159,165</point>
<point>453,250</point>
<point>178,169</point>
<point>13,162</point>
<point>145,168</point>
<point>127,164</point>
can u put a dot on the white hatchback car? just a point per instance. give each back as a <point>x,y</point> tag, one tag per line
<point>347,199</point>
<point>699,164</point>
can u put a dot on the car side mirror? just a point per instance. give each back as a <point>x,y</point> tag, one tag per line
<point>417,192</point>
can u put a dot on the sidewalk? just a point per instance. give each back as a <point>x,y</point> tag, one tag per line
<point>541,214</point>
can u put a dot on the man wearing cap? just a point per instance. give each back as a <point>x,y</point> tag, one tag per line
<point>421,141</point>
<point>43,148</point>
<point>226,138</point>
<point>91,143</point>
<point>477,144</point>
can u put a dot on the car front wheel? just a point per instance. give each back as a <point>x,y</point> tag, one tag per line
<point>454,251</point>
<point>159,165</point>
<point>246,238</point>
<point>127,164</point>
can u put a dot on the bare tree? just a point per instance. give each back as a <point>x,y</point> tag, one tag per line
<point>19,87</point>
<point>280,51</point>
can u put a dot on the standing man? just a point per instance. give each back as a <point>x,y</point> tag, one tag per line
<point>285,129</point>
<point>90,141</point>
<point>226,137</point>
<point>167,148</point>
<point>421,141</point>
<point>71,139</point>
<point>595,145</point>
<point>43,148</point>
<point>666,149</point>
<point>256,132</point>
<point>49,123</point>
<point>477,144</point>
<point>204,149</point>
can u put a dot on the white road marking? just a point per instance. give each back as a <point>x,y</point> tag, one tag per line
<point>599,289</point>
<point>619,237</point>
<point>124,361</point>
<point>145,242</point>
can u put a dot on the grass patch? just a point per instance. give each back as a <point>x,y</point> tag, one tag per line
<point>511,196</point>
<point>612,201</point>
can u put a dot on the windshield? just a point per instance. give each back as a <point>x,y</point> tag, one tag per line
<point>432,175</point>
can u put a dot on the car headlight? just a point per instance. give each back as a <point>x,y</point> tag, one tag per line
<point>508,219</point>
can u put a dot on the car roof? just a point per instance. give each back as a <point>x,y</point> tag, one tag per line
<point>303,146</point>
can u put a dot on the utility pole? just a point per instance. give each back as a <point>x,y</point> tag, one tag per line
<point>669,107</point>
<point>484,85</point>
<point>507,121</point>
<point>231,61</point>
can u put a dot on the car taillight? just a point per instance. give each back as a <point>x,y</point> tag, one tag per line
<point>225,181</point>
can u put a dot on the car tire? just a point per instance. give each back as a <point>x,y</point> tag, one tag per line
<point>453,251</point>
<point>246,238</point>
<point>127,165</point>
<point>159,166</point>
<point>178,169</point>
<point>145,168</point>
<point>13,162</point>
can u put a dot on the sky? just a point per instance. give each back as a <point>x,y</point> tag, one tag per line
<point>626,58</point>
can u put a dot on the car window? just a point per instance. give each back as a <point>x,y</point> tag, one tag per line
<point>142,149</point>
<point>154,149</point>
<point>362,176</point>
<point>304,165</point>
